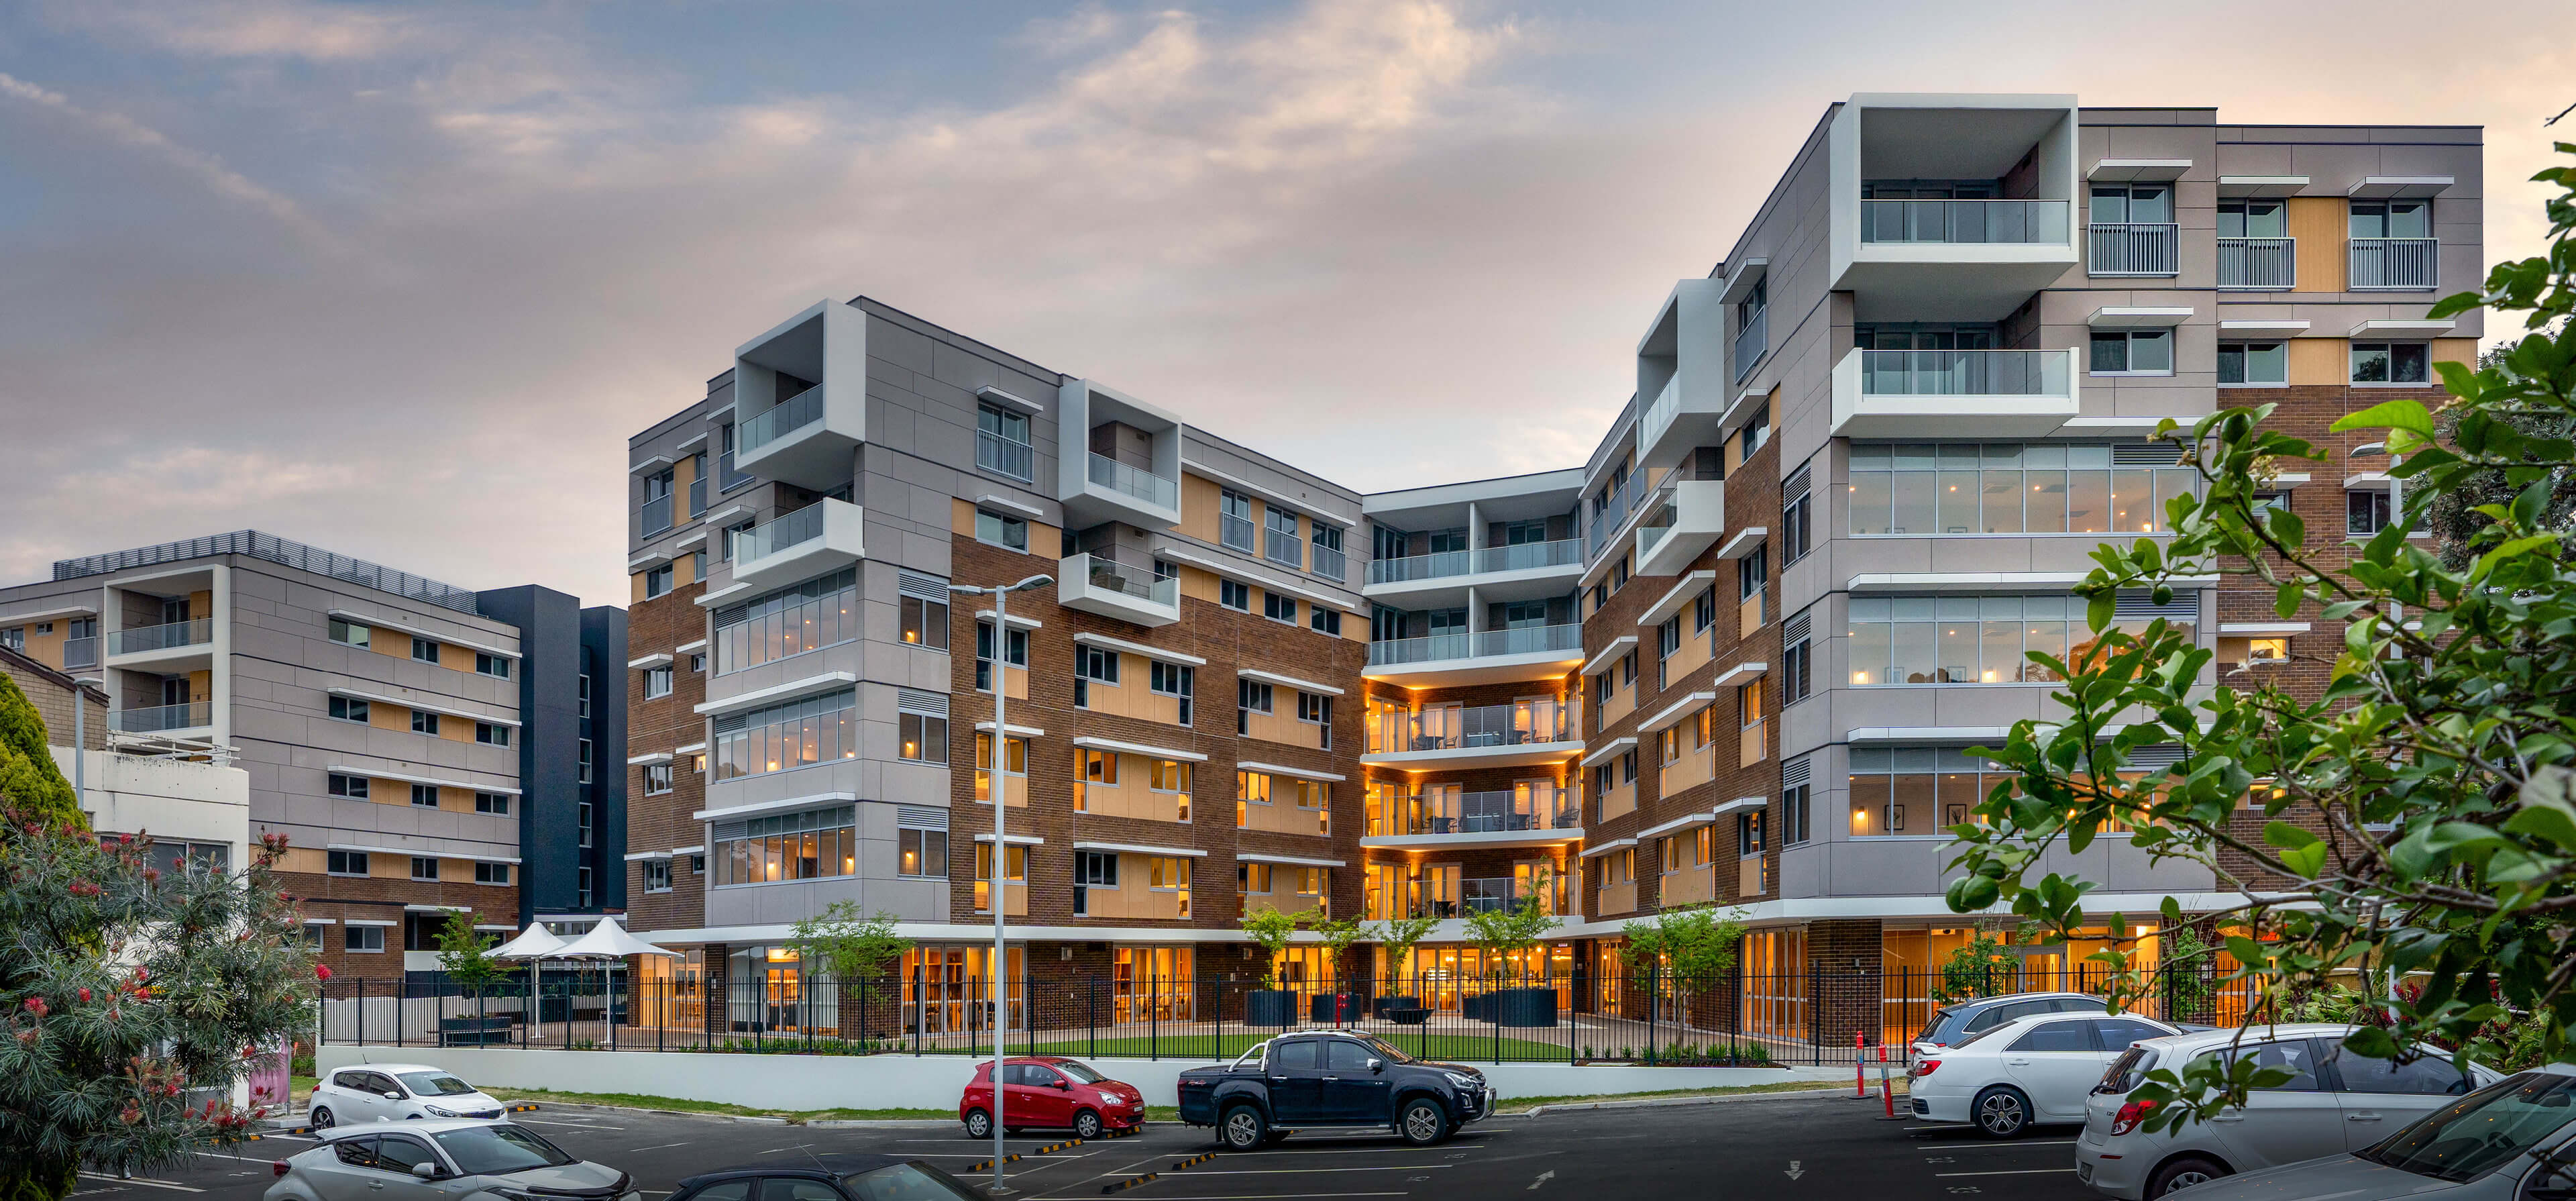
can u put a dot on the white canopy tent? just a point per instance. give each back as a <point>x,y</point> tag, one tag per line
<point>607,940</point>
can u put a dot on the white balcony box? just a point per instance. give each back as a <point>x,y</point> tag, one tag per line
<point>800,397</point>
<point>1139,481</point>
<point>821,537</point>
<point>1109,588</point>
<point>1679,527</point>
<point>1953,393</point>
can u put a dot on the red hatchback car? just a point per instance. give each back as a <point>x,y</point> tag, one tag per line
<point>1050,1093</point>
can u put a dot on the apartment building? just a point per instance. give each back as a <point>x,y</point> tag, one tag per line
<point>196,809</point>
<point>1736,656</point>
<point>426,749</point>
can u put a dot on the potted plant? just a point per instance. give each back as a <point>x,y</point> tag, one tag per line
<point>1267,1004</point>
<point>853,947</point>
<point>1506,934</point>
<point>1340,935</point>
<point>1398,936</point>
<point>1688,948</point>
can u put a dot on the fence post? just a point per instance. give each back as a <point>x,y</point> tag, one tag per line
<point>920,1006</point>
<point>1091,1014</point>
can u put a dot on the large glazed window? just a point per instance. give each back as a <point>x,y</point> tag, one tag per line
<point>796,734</point>
<point>809,616</point>
<point>1900,640</point>
<point>1925,488</point>
<point>790,846</point>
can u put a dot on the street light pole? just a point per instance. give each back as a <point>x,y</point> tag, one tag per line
<point>999,792</point>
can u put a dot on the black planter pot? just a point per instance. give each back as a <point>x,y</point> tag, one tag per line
<point>1379,1006</point>
<point>1528,1007</point>
<point>1329,1008</point>
<point>1270,1007</point>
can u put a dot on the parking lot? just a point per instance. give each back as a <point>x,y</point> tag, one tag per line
<point>1785,1147</point>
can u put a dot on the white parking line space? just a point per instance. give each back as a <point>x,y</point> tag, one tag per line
<point>145,1181</point>
<point>2013,1172</point>
<point>2033,1142</point>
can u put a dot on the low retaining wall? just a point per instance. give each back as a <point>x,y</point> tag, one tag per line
<point>936,1081</point>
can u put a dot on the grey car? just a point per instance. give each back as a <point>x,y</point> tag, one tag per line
<point>2509,1141</point>
<point>448,1159</point>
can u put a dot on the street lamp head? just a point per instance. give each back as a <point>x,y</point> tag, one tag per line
<point>1040,580</point>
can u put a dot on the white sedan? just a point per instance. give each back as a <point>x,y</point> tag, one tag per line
<point>2005,1079</point>
<point>377,1092</point>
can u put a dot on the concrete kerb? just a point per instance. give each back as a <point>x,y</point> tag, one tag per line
<point>1662,1102</point>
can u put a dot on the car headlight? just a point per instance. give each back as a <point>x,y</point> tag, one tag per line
<point>1463,1081</point>
<point>444,1113</point>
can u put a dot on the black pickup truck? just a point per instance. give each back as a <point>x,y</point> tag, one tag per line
<point>1331,1079</point>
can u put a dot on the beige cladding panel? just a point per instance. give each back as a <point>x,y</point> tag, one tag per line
<point>1199,507</point>
<point>2319,361</point>
<point>2320,224</point>
<point>1283,728</point>
<point>1619,802</point>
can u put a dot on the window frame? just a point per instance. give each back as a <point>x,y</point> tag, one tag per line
<point>2129,340</point>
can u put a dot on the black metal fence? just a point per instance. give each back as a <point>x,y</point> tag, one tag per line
<point>1733,1018</point>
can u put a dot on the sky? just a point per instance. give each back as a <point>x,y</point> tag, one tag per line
<point>398,281</point>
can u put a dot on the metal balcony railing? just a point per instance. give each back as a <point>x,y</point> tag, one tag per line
<point>1478,812</point>
<point>1525,640</point>
<point>698,497</point>
<point>1659,415</point>
<point>1480,894</point>
<point>656,515</point>
<point>1133,579</point>
<point>2258,264</point>
<point>2132,248</point>
<point>728,479</point>
<point>1751,342</point>
<point>786,417</point>
<point>2394,264</point>
<point>780,533</point>
<point>159,718</point>
<point>1966,372</point>
<point>1003,456</point>
<point>1462,728</point>
<point>1135,481</point>
<point>193,632</point>
<point>1564,552</point>
<point>1283,548</point>
<point>1964,221</point>
<point>80,652</point>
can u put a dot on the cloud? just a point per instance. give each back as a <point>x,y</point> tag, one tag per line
<point>246,28</point>
<point>206,168</point>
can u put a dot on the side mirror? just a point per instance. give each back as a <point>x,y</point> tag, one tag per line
<point>428,1171</point>
<point>393,1096</point>
<point>1065,1085</point>
<point>1377,1065</point>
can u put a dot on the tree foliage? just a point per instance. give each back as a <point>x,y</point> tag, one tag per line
<point>1270,930</point>
<point>1399,935</point>
<point>1983,966</point>
<point>1340,934</point>
<point>2417,821</point>
<point>1508,930</point>
<point>849,942</point>
<point>28,777</point>
<point>1692,942</point>
<point>464,954</point>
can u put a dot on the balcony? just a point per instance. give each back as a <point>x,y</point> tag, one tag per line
<point>1964,222</point>
<point>2132,248</point>
<point>1490,657</point>
<point>1751,343</point>
<point>821,537</point>
<point>801,394</point>
<point>2394,264</point>
<point>162,719</point>
<point>79,653</point>
<point>1329,562</point>
<point>173,636</point>
<point>1522,571</point>
<point>1095,583</point>
<point>1135,481</point>
<point>1480,894</point>
<point>1517,818</point>
<point>2258,264</point>
<point>1515,735</point>
<point>1691,514</point>
<point>1607,519</point>
<point>1975,250</point>
<point>654,517</point>
<point>1681,366</point>
<point>1953,393</point>
<point>1131,458</point>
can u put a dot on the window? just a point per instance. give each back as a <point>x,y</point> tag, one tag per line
<point>782,737</point>
<point>657,682</point>
<point>1981,639</point>
<point>1748,834</point>
<point>1172,776</point>
<point>1314,707</point>
<point>2135,204</point>
<point>495,803</point>
<point>424,650</point>
<point>657,778</point>
<point>2253,362</point>
<point>1009,533</point>
<point>697,865</point>
<point>1252,877</point>
<point>585,694</point>
<point>1793,815</point>
<point>583,823</point>
<point>1917,790</point>
<point>585,761</point>
<point>1279,608</point>
<point>657,875</point>
<point>1178,681</point>
<point>345,863</point>
<point>811,845</point>
<point>2252,219</point>
<point>313,932</point>
<point>1002,443</point>
<point>1016,646</point>
<point>789,622</point>
<point>1095,767</point>
<point>425,795</point>
<point>349,633</point>
<point>2390,362</point>
<point>1328,549</point>
<point>1796,660</point>
<point>1281,544</point>
<point>1703,611</point>
<point>1753,573</point>
<point>1324,619</point>
<point>923,737</point>
<point>353,787</point>
<point>363,940</point>
<point>1795,522</point>
<point>1919,488</point>
<point>925,623</point>
<point>2133,352</point>
<point>424,867</point>
<point>921,852</point>
<point>345,709</point>
<point>495,666</point>
<point>657,581</point>
<point>2267,650</point>
<point>581,885</point>
<point>1234,595</point>
<point>1756,432</point>
<point>491,734</point>
<point>1017,752</point>
<point>2365,510</point>
<point>1250,697</point>
<point>698,664</point>
<point>1234,520</point>
<point>1015,870</point>
<point>1619,573</point>
<point>1749,707</point>
<point>2392,219</point>
<point>491,873</point>
<point>424,722</point>
<point>1092,869</point>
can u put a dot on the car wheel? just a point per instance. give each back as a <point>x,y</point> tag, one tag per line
<point>2184,1173</point>
<point>320,1118</point>
<point>2001,1113</point>
<point>1422,1122</point>
<point>1242,1128</point>
<point>1086,1125</point>
<point>979,1124</point>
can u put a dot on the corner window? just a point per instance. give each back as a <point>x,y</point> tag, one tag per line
<point>1016,650</point>
<point>2133,352</point>
<point>657,581</point>
<point>1008,532</point>
<point>1177,681</point>
<point>2391,362</point>
<point>925,623</point>
<point>2253,362</point>
<point>349,633</point>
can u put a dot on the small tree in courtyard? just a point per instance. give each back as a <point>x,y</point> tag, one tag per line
<point>1271,930</point>
<point>465,954</point>
<point>1398,936</point>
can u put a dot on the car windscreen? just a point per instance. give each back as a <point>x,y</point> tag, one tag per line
<point>1940,1028</point>
<point>499,1148</point>
<point>908,1182</point>
<point>1386,1050</point>
<point>1080,1073</point>
<point>2480,1132</point>
<point>435,1084</point>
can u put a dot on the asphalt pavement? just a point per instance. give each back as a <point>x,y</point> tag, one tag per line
<point>1758,1149</point>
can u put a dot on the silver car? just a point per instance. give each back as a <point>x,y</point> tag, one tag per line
<point>2334,1102</point>
<point>444,1159</point>
<point>2514,1140</point>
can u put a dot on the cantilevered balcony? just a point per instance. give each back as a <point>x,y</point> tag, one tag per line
<point>1525,817</point>
<point>174,646</point>
<point>1121,458</point>
<point>1489,657</point>
<point>1515,735</point>
<point>1951,207</point>
<point>162,719</point>
<point>800,398</point>
<point>821,537</point>
<point>1130,592</point>
<point>1522,571</point>
<point>1953,393</point>
<point>1685,518</point>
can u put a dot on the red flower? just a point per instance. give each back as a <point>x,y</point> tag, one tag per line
<point>141,973</point>
<point>84,996</point>
<point>321,971</point>
<point>36,1006</point>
